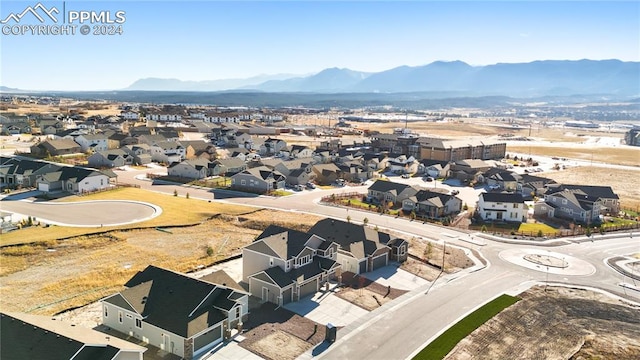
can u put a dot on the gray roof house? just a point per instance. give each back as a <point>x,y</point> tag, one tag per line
<point>74,179</point>
<point>177,313</point>
<point>284,265</point>
<point>227,167</point>
<point>110,159</point>
<point>361,248</point>
<point>432,204</point>
<point>36,337</point>
<point>189,169</point>
<point>579,203</point>
<point>390,191</point>
<point>259,180</point>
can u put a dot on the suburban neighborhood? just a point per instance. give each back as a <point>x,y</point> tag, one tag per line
<point>301,285</point>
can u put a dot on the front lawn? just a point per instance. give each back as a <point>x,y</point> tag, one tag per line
<point>441,346</point>
<point>535,228</point>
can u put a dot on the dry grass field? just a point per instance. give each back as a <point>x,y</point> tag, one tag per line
<point>173,213</point>
<point>625,183</point>
<point>52,276</point>
<point>609,155</point>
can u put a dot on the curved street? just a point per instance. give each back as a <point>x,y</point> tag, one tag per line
<point>403,329</point>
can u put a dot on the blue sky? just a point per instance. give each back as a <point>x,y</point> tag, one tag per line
<point>208,40</point>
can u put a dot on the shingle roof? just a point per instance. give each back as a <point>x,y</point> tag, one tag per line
<point>593,192</point>
<point>284,243</point>
<point>192,302</point>
<point>361,241</point>
<point>386,186</point>
<point>503,197</point>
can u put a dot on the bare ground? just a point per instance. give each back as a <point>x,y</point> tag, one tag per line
<point>54,276</point>
<point>559,323</point>
<point>365,293</point>
<point>279,333</point>
<point>431,253</point>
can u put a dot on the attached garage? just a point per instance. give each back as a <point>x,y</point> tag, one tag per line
<point>379,261</point>
<point>43,187</point>
<point>286,296</point>
<point>362,267</point>
<point>309,288</point>
<point>208,339</point>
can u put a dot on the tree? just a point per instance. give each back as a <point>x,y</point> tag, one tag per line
<point>483,228</point>
<point>187,196</point>
<point>587,231</point>
<point>540,233</point>
<point>465,207</point>
<point>349,218</point>
<point>209,250</point>
<point>601,229</point>
<point>365,221</point>
<point>175,192</point>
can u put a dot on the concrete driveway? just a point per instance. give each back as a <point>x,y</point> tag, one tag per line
<point>325,308</point>
<point>395,277</point>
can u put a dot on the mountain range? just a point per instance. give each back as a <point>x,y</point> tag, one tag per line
<point>537,78</point>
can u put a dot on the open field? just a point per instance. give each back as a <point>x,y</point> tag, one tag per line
<point>626,155</point>
<point>100,109</point>
<point>52,276</point>
<point>623,182</point>
<point>439,347</point>
<point>558,323</point>
<point>173,213</point>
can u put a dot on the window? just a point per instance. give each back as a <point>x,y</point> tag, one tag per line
<point>106,311</point>
<point>120,317</point>
<point>243,182</point>
<point>139,323</point>
<point>238,309</point>
<point>270,261</point>
<point>403,250</point>
<point>515,206</point>
<point>564,201</point>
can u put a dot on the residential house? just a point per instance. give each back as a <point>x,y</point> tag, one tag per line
<point>199,149</point>
<point>298,172</point>
<point>141,153</point>
<point>502,207</point>
<point>579,203</point>
<point>272,146</point>
<point>177,313</point>
<point>326,174</point>
<point>502,180</point>
<point>110,159</point>
<point>355,171</point>
<point>168,133</point>
<point>432,204</point>
<point>21,127</point>
<point>49,126</point>
<point>238,153</point>
<point>361,248</point>
<point>383,191</point>
<point>151,139</point>
<point>434,168</point>
<point>189,169</point>
<point>284,265</point>
<point>74,179</point>
<point>92,142</point>
<point>376,161</point>
<point>226,167</point>
<point>469,170</point>
<point>129,115</point>
<point>167,152</point>
<point>37,337</point>
<point>530,185</point>
<point>16,172</point>
<point>56,147</point>
<point>259,180</point>
<point>401,164</point>
<point>296,152</point>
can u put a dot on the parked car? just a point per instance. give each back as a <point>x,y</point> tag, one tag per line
<point>427,178</point>
<point>298,188</point>
<point>310,185</point>
<point>455,192</point>
<point>406,176</point>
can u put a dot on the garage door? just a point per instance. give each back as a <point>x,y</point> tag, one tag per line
<point>379,262</point>
<point>43,187</point>
<point>309,288</point>
<point>208,339</point>
<point>286,296</point>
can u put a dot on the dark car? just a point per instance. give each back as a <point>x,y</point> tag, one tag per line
<point>427,178</point>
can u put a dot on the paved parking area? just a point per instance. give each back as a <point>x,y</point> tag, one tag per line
<point>325,308</point>
<point>395,277</point>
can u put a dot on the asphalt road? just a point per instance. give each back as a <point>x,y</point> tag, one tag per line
<point>83,214</point>
<point>399,332</point>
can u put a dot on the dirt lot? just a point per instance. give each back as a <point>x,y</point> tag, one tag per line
<point>279,333</point>
<point>559,323</point>
<point>365,293</point>
<point>52,276</point>
<point>623,182</point>
<point>454,259</point>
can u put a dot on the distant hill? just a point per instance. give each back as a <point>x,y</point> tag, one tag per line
<point>538,78</point>
<point>159,84</point>
<point>8,89</point>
